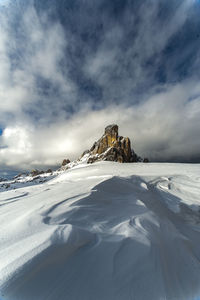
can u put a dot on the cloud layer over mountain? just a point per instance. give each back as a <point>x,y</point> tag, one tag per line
<point>69,68</point>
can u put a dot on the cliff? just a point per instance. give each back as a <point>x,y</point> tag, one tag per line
<point>111,147</point>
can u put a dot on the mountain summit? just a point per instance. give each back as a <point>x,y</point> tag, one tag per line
<point>111,147</point>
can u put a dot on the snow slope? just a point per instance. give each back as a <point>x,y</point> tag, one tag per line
<point>103,231</point>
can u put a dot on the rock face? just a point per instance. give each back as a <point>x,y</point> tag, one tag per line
<point>65,162</point>
<point>111,147</point>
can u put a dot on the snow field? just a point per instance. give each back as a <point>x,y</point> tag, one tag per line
<point>103,231</point>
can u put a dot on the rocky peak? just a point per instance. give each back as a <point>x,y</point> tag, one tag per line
<point>112,130</point>
<point>111,147</point>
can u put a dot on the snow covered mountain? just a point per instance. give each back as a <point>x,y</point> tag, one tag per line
<point>103,231</point>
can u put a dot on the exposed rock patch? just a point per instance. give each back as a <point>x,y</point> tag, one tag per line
<point>36,172</point>
<point>65,162</point>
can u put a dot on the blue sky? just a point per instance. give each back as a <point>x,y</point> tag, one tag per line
<point>69,68</point>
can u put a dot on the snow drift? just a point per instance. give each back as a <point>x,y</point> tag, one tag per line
<point>103,231</point>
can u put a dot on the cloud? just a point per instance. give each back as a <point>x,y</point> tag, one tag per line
<point>164,128</point>
<point>70,69</point>
<point>128,58</point>
<point>31,73</point>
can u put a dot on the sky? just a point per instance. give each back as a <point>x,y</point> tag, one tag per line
<point>68,68</point>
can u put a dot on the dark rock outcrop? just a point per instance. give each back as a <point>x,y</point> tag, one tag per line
<point>65,162</point>
<point>145,160</point>
<point>111,147</point>
<point>2,179</point>
<point>36,172</point>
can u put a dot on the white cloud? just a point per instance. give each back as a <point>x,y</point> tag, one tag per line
<point>39,57</point>
<point>118,65</point>
<point>163,128</point>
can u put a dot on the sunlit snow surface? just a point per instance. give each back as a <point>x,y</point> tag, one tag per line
<point>103,231</point>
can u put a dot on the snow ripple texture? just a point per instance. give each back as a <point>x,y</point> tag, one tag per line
<point>103,231</point>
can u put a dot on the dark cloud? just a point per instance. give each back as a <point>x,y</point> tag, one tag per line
<point>68,68</point>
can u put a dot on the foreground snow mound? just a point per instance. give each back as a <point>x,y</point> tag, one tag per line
<point>103,231</point>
